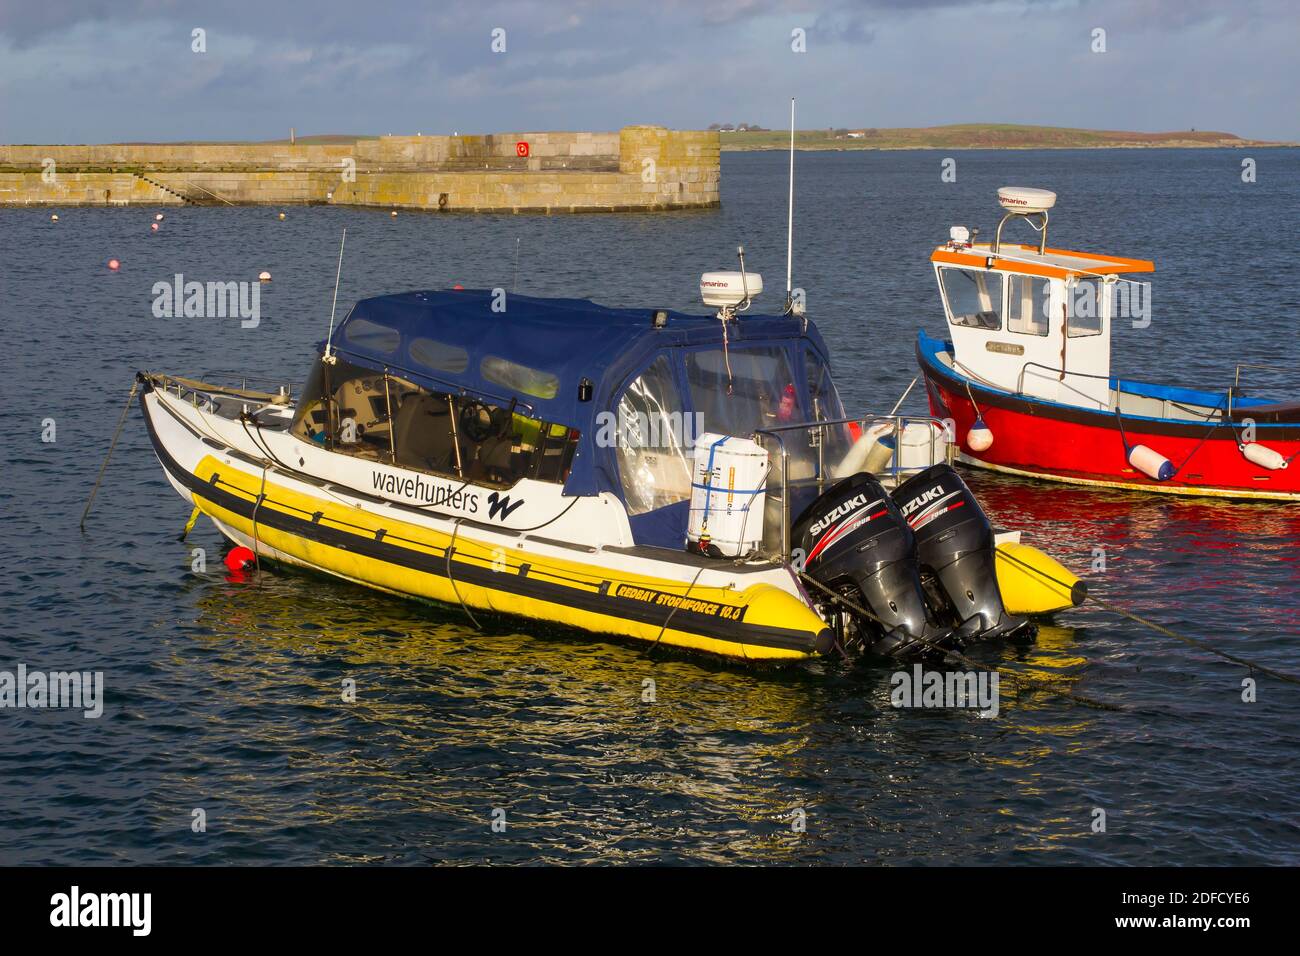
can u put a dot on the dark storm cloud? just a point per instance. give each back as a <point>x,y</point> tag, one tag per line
<point>87,70</point>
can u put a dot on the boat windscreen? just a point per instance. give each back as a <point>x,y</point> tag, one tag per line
<point>654,441</point>
<point>740,390</point>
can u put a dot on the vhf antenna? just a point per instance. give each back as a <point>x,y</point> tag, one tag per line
<point>329,356</point>
<point>789,229</point>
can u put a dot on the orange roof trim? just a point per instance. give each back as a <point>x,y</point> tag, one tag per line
<point>1092,263</point>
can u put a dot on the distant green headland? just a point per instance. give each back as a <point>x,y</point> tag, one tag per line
<point>976,136</point>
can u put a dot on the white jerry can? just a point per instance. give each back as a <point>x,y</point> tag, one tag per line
<point>728,481</point>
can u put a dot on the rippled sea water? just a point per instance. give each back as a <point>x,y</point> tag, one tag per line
<point>225,695</point>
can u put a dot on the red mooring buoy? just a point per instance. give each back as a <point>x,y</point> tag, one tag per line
<point>241,559</point>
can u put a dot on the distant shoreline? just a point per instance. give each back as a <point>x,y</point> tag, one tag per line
<point>983,136</point>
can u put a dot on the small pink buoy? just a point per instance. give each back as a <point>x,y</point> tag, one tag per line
<point>153,227</point>
<point>240,559</point>
<point>980,436</point>
<point>114,265</point>
<point>458,287</point>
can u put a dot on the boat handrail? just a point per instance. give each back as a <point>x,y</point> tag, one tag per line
<point>1236,378</point>
<point>195,387</point>
<point>776,432</point>
<point>1020,379</point>
<point>1231,393</point>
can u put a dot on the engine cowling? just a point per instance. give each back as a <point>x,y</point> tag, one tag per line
<point>956,552</point>
<point>855,540</point>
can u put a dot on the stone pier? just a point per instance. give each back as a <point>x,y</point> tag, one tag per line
<point>639,168</point>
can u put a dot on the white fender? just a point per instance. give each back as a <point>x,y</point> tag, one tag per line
<point>881,455</point>
<point>1150,463</point>
<point>866,453</point>
<point>1263,456</point>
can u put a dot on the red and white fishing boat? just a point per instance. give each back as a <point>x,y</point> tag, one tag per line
<point>1025,377</point>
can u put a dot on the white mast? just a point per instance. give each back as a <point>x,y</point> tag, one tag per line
<point>329,357</point>
<point>789,233</point>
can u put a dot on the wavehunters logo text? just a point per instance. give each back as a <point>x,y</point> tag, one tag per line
<point>431,493</point>
<point>839,511</point>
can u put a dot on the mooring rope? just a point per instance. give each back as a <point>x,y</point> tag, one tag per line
<point>664,627</point>
<point>261,496</point>
<point>1160,628</point>
<point>113,444</point>
<point>1123,437</point>
<point>455,529</point>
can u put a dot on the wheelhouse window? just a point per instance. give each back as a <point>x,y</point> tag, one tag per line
<point>654,440</point>
<point>740,390</point>
<point>1028,305</point>
<point>974,298</point>
<point>1086,301</point>
<point>380,416</point>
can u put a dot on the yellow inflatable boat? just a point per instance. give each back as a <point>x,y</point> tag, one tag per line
<point>625,472</point>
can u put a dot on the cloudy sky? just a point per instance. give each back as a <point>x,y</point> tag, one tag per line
<point>106,70</point>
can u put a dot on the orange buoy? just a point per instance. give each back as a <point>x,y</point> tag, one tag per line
<point>114,265</point>
<point>264,276</point>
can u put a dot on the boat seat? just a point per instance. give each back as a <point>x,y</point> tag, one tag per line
<point>422,433</point>
<point>495,453</point>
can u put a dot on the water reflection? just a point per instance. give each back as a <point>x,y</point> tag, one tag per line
<point>450,723</point>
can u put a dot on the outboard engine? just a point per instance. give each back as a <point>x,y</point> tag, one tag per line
<point>855,541</point>
<point>957,555</point>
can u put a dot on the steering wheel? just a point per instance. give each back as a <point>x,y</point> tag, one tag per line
<point>476,422</point>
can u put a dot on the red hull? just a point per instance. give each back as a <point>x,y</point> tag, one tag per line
<point>1030,438</point>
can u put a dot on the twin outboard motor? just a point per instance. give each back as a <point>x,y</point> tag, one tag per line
<point>855,540</point>
<point>957,553</point>
<point>921,561</point>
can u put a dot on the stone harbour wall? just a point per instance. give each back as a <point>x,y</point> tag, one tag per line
<point>639,168</point>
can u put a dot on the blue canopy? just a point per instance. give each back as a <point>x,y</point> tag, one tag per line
<point>536,350</point>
